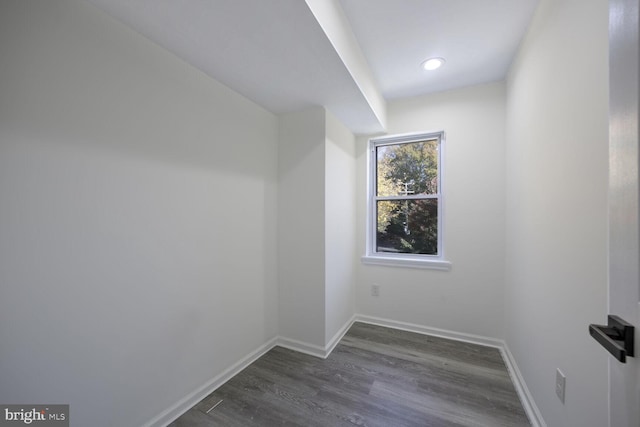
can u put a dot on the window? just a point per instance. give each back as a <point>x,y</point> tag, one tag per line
<point>404,214</point>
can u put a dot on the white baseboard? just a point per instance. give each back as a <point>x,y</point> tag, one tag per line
<point>186,403</point>
<point>182,406</point>
<point>436,332</point>
<point>529,405</point>
<point>301,347</point>
<point>333,342</point>
<point>316,350</point>
<point>530,408</point>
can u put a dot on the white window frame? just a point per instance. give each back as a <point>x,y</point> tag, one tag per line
<point>437,262</point>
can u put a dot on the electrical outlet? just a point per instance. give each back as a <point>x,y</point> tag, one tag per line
<point>561,382</point>
<point>375,290</point>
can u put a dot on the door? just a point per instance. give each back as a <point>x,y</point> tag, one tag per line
<point>624,196</point>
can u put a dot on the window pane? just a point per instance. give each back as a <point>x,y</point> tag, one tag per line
<point>407,226</point>
<point>410,168</point>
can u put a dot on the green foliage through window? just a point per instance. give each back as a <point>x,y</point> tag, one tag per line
<point>406,197</point>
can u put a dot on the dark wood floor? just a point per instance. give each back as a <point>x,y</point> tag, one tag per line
<point>376,376</point>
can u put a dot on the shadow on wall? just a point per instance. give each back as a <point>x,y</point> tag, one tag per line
<point>64,84</point>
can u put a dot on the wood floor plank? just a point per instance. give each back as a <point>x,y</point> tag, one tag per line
<point>375,377</point>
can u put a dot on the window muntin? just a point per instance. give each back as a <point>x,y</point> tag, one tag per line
<point>405,207</point>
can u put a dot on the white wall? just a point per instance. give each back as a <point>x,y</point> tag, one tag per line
<point>301,226</point>
<point>137,218</point>
<point>556,270</point>
<point>469,298</point>
<point>315,228</point>
<point>340,226</point>
<point>138,228</point>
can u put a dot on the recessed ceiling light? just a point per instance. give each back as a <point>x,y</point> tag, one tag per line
<point>432,64</point>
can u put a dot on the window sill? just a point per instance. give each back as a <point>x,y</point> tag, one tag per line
<point>394,261</point>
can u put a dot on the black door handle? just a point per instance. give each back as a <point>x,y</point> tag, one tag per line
<point>616,337</point>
